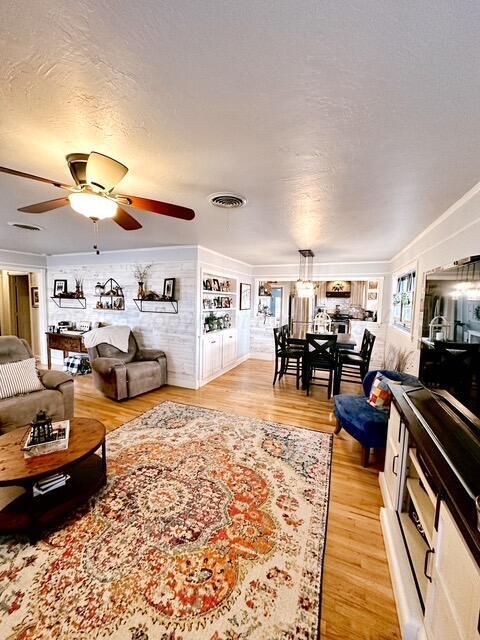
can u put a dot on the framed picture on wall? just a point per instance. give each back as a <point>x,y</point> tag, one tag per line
<point>216,284</point>
<point>34,297</point>
<point>169,288</point>
<point>59,287</point>
<point>245,296</point>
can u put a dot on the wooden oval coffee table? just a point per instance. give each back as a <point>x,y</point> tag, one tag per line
<point>87,471</point>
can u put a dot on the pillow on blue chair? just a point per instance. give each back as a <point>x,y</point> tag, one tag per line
<point>380,397</point>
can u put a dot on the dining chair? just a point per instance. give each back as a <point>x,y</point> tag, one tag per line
<point>288,355</point>
<point>279,353</point>
<point>293,360</point>
<point>352,366</point>
<point>320,356</point>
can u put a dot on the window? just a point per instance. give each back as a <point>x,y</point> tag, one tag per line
<point>403,300</point>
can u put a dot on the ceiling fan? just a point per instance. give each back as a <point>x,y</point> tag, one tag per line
<point>96,175</point>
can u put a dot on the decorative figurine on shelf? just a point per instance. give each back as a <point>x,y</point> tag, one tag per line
<point>78,277</point>
<point>42,430</point>
<point>141,273</point>
<point>99,289</point>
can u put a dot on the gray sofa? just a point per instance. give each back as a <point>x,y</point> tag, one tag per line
<point>56,399</point>
<point>122,375</point>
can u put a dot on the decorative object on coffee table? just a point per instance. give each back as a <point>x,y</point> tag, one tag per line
<point>216,532</point>
<point>87,471</point>
<point>42,431</point>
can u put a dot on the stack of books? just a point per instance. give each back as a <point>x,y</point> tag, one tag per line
<point>56,480</point>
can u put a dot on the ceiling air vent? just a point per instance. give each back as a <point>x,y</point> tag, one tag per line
<point>26,227</point>
<point>227,200</point>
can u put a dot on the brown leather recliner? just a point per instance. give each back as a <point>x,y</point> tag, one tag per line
<point>122,375</point>
<point>56,399</point>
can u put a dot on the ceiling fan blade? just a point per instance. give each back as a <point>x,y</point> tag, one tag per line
<point>42,207</point>
<point>104,172</point>
<point>30,176</point>
<point>125,220</point>
<point>155,206</point>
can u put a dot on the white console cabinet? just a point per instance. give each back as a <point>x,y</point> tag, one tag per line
<point>219,352</point>
<point>453,595</point>
<point>436,579</point>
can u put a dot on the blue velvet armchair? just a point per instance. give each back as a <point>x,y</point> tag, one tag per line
<point>362,421</point>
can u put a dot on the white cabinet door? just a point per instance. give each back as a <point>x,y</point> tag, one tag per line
<point>229,348</point>
<point>212,355</point>
<point>453,596</point>
<point>394,462</point>
<point>216,353</point>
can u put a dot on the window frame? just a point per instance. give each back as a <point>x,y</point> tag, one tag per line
<point>402,311</point>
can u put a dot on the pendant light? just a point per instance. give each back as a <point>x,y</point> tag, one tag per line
<point>305,286</point>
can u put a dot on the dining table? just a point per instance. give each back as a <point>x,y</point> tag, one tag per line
<point>345,341</point>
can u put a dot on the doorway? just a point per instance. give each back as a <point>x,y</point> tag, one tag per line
<point>20,319</point>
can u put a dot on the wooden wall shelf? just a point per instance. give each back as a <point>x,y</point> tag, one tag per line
<point>110,285</point>
<point>140,305</point>
<point>69,303</point>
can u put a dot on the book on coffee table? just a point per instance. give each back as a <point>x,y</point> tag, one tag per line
<point>61,432</point>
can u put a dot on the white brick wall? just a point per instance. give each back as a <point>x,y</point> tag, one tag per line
<point>174,334</point>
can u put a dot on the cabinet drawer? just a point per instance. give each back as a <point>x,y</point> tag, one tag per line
<point>65,343</point>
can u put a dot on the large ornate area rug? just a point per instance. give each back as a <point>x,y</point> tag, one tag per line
<point>212,526</point>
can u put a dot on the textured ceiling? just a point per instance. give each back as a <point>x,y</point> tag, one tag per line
<point>349,125</point>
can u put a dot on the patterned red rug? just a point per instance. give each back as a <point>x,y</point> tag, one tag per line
<point>212,526</point>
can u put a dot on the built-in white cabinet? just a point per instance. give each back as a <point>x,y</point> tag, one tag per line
<point>219,314</point>
<point>219,352</point>
<point>435,578</point>
<point>453,596</point>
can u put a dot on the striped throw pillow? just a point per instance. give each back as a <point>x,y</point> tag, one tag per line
<point>19,377</point>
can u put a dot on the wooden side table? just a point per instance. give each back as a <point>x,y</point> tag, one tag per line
<point>87,471</point>
<point>64,342</point>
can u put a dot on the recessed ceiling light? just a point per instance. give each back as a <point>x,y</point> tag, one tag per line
<point>227,200</point>
<point>26,227</point>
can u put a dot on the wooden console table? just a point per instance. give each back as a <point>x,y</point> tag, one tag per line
<point>64,342</point>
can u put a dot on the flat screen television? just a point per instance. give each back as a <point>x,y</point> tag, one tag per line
<point>450,344</point>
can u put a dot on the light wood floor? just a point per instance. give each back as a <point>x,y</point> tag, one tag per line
<point>357,594</point>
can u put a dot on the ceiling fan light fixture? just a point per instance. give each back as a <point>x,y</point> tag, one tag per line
<point>92,206</point>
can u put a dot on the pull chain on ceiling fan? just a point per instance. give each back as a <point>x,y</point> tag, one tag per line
<point>96,176</point>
